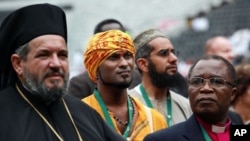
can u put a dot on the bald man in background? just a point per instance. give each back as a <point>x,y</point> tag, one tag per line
<point>219,45</point>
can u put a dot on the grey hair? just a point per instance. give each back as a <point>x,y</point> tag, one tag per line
<point>23,51</point>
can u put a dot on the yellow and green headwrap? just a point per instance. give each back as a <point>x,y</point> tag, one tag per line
<point>102,45</point>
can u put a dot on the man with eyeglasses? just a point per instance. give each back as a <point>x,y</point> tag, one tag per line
<point>156,61</point>
<point>211,88</point>
<point>214,81</point>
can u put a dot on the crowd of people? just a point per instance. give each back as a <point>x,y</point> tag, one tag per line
<point>131,89</point>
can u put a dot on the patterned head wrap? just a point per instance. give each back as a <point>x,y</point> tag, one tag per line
<point>102,45</point>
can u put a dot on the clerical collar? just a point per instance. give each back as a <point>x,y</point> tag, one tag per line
<point>215,128</point>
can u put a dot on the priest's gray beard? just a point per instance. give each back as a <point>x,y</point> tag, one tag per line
<point>36,86</point>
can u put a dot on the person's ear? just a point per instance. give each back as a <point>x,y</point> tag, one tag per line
<point>17,63</point>
<point>233,94</point>
<point>142,64</point>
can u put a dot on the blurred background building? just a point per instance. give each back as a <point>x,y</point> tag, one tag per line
<point>188,23</point>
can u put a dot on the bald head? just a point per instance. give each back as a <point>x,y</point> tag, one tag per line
<point>220,46</point>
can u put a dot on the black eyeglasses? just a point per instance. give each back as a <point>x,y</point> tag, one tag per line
<point>214,82</point>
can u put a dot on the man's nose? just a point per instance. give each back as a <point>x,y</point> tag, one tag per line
<point>55,61</point>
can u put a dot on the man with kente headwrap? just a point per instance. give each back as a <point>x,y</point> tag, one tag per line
<point>33,79</point>
<point>109,60</point>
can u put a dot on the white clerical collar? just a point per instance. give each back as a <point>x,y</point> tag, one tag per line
<point>218,129</point>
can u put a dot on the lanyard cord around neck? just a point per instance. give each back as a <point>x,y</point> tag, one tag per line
<point>46,121</point>
<point>107,116</point>
<point>204,132</point>
<point>149,104</point>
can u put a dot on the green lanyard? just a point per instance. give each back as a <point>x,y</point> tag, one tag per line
<point>169,108</point>
<point>107,116</point>
<point>149,104</point>
<point>206,136</point>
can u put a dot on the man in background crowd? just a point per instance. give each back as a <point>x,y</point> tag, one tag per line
<point>157,62</point>
<point>221,46</point>
<point>81,85</point>
<point>109,60</point>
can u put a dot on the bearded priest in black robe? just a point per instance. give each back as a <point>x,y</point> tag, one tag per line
<point>34,72</point>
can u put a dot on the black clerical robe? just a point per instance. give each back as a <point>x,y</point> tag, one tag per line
<point>20,122</point>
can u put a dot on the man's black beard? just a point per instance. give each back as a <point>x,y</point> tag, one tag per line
<point>40,90</point>
<point>121,85</point>
<point>161,80</point>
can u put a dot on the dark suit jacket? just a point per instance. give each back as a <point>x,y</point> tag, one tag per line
<point>188,130</point>
<point>235,117</point>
